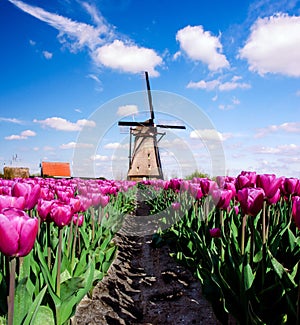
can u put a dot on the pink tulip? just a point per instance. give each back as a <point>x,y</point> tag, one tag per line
<point>274,199</point>
<point>17,232</point>
<point>80,218</point>
<point>296,211</point>
<point>43,209</point>
<point>7,201</point>
<point>251,200</point>
<point>61,214</point>
<point>29,191</point>
<point>289,186</point>
<point>207,186</point>
<point>176,206</point>
<point>195,191</point>
<point>221,198</point>
<point>215,232</point>
<point>245,179</point>
<point>269,183</point>
<point>104,199</point>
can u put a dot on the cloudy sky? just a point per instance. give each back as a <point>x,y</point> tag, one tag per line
<point>228,70</point>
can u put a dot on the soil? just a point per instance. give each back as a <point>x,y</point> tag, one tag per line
<point>144,285</point>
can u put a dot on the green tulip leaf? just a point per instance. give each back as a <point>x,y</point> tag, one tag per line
<point>33,309</point>
<point>68,305</point>
<point>22,301</point>
<point>44,315</point>
<point>248,277</point>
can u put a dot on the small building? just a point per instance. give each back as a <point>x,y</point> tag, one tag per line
<point>15,172</point>
<point>55,169</point>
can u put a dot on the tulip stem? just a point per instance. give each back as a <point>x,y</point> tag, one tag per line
<point>11,297</point>
<point>48,245</point>
<point>93,223</point>
<point>244,221</point>
<point>70,238</point>
<point>264,223</point>
<point>74,244</point>
<point>59,263</point>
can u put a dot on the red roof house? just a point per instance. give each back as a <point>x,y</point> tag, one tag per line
<point>55,169</point>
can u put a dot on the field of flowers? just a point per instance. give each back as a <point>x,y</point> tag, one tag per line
<point>239,235</point>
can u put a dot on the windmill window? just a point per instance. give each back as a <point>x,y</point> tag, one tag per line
<point>137,168</point>
<point>149,166</point>
<point>148,155</point>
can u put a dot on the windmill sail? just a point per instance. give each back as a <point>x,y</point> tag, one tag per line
<point>144,157</point>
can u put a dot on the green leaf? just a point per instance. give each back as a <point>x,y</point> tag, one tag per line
<point>44,315</point>
<point>68,306</point>
<point>70,287</point>
<point>22,301</point>
<point>109,254</point>
<point>248,277</point>
<point>33,309</point>
<point>277,267</point>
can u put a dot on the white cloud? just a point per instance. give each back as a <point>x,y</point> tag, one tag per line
<point>217,84</point>
<point>274,45</point>
<point>104,46</point>
<point>127,110</point>
<point>298,93</point>
<point>127,57</point>
<point>80,33</point>
<point>73,145</point>
<point>94,77</point>
<point>10,120</point>
<point>200,45</point>
<point>99,158</point>
<point>287,149</point>
<point>62,124</point>
<point>47,55</point>
<point>22,136</point>
<point>289,127</point>
<point>115,145</point>
<point>209,135</point>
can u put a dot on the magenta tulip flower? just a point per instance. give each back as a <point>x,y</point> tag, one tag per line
<point>7,201</point>
<point>195,191</point>
<point>104,199</point>
<point>251,200</point>
<point>289,186</point>
<point>245,179</point>
<point>176,206</point>
<point>207,186</point>
<point>29,191</point>
<point>296,211</point>
<point>17,232</point>
<point>80,218</point>
<point>221,198</point>
<point>269,183</point>
<point>43,209</point>
<point>274,199</point>
<point>215,232</point>
<point>61,214</point>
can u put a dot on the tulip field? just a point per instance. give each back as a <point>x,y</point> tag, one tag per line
<point>238,235</point>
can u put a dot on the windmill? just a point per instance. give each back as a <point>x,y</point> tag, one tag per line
<point>144,157</point>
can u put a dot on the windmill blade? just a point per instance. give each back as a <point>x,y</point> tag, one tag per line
<point>125,123</point>
<point>171,126</point>
<point>149,96</point>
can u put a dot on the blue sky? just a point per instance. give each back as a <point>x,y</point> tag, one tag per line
<point>65,65</point>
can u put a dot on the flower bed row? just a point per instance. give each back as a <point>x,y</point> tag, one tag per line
<point>56,244</point>
<point>240,237</point>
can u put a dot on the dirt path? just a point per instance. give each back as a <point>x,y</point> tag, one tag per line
<point>144,286</point>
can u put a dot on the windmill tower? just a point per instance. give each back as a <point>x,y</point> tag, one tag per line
<point>144,158</point>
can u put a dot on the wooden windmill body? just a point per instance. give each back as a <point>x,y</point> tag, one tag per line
<point>144,157</point>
